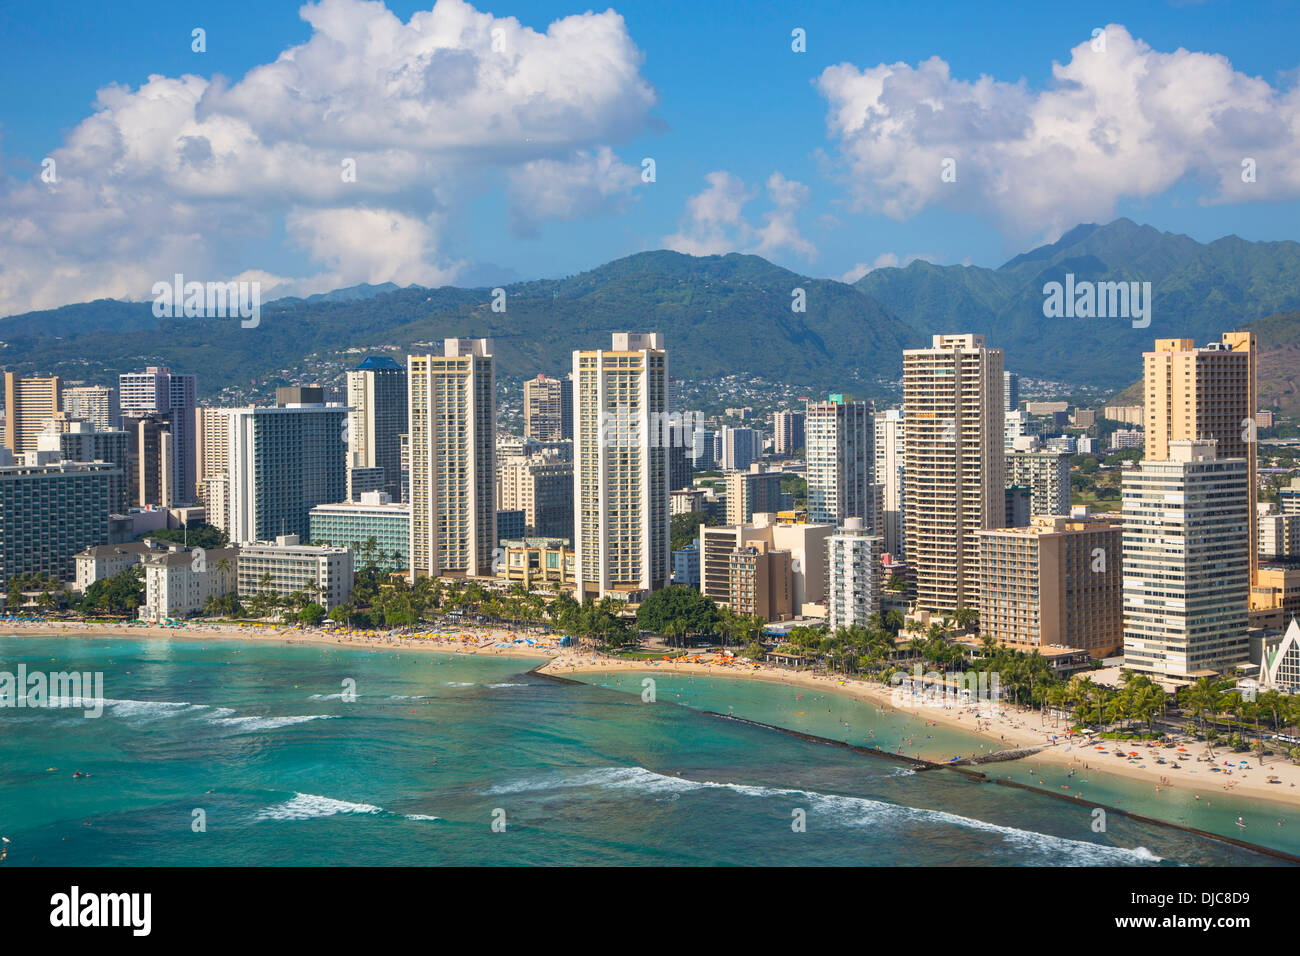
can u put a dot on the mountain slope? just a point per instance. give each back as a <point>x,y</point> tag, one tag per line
<point>720,315</point>
<point>1198,291</point>
<point>724,315</point>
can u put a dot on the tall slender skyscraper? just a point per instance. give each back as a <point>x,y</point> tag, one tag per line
<point>890,450</point>
<point>787,433</point>
<point>620,472</point>
<point>212,446</point>
<point>1010,391</point>
<point>158,392</point>
<point>377,397</point>
<point>840,439</point>
<point>451,408</point>
<point>1205,393</point>
<point>29,404</point>
<point>954,469</point>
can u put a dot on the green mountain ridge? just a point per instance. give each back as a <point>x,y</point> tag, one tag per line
<point>1198,291</point>
<point>724,315</point>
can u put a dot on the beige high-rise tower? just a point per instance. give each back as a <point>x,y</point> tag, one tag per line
<point>620,467</point>
<point>954,467</point>
<point>1197,394</point>
<point>29,404</point>
<point>451,403</point>
<point>545,401</point>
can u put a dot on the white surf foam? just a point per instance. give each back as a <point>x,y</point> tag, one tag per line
<point>845,811</point>
<point>310,806</point>
<point>254,723</point>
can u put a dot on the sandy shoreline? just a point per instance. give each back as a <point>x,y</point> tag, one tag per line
<point>478,640</point>
<point>1008,728</point>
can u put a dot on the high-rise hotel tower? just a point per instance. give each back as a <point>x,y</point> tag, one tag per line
<point>451,404</point>
<point>954,470</point>
<point>620,467</point>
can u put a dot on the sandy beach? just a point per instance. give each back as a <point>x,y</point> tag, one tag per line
<point>1007,728</point>
<point>475,640</point>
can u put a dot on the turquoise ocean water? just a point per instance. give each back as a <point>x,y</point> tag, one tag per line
<point>435,748</point>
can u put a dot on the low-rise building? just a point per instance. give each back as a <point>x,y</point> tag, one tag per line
<point>686,566</point>
<point>180,583</point>
<point>805,542</point>
<point>109,560</point>
<point>353,524</point>
<point>286,566</point>
<point>759,582</point>
<point>532,561</point>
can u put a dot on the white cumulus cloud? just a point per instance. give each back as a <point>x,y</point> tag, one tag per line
<point>715,221</point>
<point>1126,121</point>
<point>183,173</point>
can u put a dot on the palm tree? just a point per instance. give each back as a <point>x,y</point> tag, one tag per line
<point>1203,697</point>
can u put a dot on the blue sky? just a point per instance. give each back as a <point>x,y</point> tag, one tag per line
<point>718,99</point>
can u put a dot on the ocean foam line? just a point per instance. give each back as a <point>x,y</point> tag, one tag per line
<point>148,710</point>
<point>312,806</point>
<point>849,811</point>
<point>309,806</point>
<point>254,723</point>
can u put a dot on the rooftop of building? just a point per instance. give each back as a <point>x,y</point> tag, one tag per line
<point>176,559</point>
<point>1061,524</point>
<point>550,544</point>
<point>370,502</point>
<point>148,546</point>
<point>376,362</point>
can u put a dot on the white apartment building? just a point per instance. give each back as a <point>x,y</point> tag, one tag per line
<point>1186,563</point>
<point>285,565</point>
<point>180,583</point>
<point>853,575</point>
<point>890,452</point>
<point>1046,474</point>
<point>1278,534</point>
<point>93,403</point>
